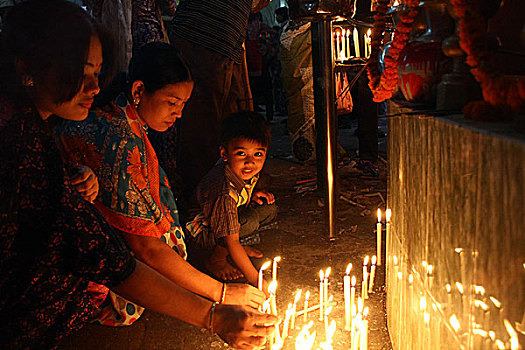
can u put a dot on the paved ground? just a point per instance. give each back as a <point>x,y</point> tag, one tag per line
<point>301,241</point>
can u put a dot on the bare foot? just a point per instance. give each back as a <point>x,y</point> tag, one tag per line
<point>222,269</point>
<point>252,252</point>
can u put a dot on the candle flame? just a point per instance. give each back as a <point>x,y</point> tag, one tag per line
<point>277,259</point>
<point>454,322</point>
<point>374,260</point>
<point>378,215</point>
<point>426,317</point>
<point>329,300</point>
<point>422,303</point>
<point>348,269</point>
<point>410,278</point>
<point>482,305</point>
<point>327,273</point>
<point>266,265</point>
<point>492,335</point>
<point>388,215</point>
<point>353,281</point>
<point>496,302</point>
<point>331,331</point>
<point>459,286</point>
<point>366,260</point>
<point>399,275</point>
<point>272,287</point>
<point>366,311</point>
<point>266,306</point>
<point>480,332</point>
<point>368,32</point>
<point>500,344</point>
<point>479,290</point>
<point>430,269</point>
<point>448,288</point>
<point>458,250</point>
<point>328,310</point>
<point>321,275</point>
<point>424,263</point>
<point>297,296</point>
<point>510,329</point>
<point>307,295</point>
<point>396,3</point>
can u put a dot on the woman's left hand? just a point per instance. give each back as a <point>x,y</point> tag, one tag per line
<point>86,183</point>
<point>257,197</point>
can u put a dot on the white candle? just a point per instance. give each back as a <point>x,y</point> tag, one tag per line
<point>272,288</point>
<point>326,275</point>
<point>326,313</point>
<point>321,295</point>
<point>274,267</point>
<point>430,270</point>
<point>378,228</point>
<point>364,284</point>
<point>364,331</point>
<point>372,274</point>
<point>356,43</point>
<point>306,299</point>
<point>261,273</point>
<point>337,36</point>
<point>368,43</point>
<point>287,320</point>
<point>343,45</point>
<point>347,43</point>
<point>294,307</point>
<point>352,297</point>
<point>346,289</point>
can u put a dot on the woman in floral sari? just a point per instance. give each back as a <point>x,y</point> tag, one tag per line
<point>135,197</point>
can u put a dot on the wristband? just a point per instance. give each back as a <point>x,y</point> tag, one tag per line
<point>223,293</point>
<point>212,313</point>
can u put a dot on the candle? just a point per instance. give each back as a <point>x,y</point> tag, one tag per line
<point>347,41</point>
<point>356,42</point>
<point>321,296</point>
<point>272,288</point>
<point>430,270</point>
<point>353,327</point>
<point>368,43</point>
<point>337,35</point>
<point>378,228</point>
<point>388,215</point>
<point>306,298</point>
<point>343,46</point>
<point>326,274</point>
<point>261,273</point>
<point>364,331</point>
<point>274,267</point>
<point>346,289</point>
<point>352,296</point>
<point>287,320</point>
<point>294,307</point>
<point>372,274</point>
<point>449,297</point>
<point>326,313</point>
<point>364,284</point>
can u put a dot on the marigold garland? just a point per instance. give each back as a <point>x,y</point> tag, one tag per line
<point>383,84</point>
<point>498,90</point>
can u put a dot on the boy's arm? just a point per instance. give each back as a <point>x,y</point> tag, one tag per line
<point>240,258</point>
<point>259,195</point>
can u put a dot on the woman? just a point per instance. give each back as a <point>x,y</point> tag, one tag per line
<point>53,242</point>
<point>135,197</point>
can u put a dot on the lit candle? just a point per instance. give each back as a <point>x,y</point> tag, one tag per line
<point>321,296</point>
<point>372,274</point>
<point>388,215</point>
<point>430,270</point>
<point>378,228</point>
<point>364,331</point>
<point>368,43</point>
<point>287,320</point>
<point>347,41</point>
<point>326,275</point>
<point>337,35</point>
<point>294,308</point>
<point>272,288</point>
<point>364,284</point>
<point>306,299</point>
<point>261,273</point>
<point>352,296</point>
<point>326,313</point>
<point>353,339</point>
<point>346,289</point>
<point>356,42</point>
<point>274,267</point>
<point>343,46</point>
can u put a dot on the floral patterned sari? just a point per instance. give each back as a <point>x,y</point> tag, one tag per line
<point>134,195</point>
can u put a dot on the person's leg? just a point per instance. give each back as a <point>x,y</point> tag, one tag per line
<point>239,97</point>
<point>266,213</point>
<point>249,220</point>
<point>203,113</point>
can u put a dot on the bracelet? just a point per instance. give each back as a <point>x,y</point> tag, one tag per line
<point>212,313</point>
<point>223,293</point>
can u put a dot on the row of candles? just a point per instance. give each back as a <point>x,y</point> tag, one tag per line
<point>356,313</point>
<point>342,44</point>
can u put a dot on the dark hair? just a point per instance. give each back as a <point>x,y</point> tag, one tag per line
<point>49,42</point>
<point>246,124</point>
<point>282,11</point>
<point>156,64</point>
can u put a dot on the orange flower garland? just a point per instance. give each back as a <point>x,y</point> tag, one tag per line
<point>498,91</point>
<point>383,85</point>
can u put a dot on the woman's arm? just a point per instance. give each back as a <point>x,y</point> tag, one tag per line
<point>159,256</point>
<point>241,327</point>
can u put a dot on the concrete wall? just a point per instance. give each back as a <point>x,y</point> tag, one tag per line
<point>457,194</point>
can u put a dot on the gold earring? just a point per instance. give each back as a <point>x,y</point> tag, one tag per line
<point>136,102</point>
<point>28,81</point>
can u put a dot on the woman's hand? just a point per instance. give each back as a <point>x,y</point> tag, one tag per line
<point>243,294</point>
<point>257,197</point>
<point>86,183</point>
<point>242,327</point>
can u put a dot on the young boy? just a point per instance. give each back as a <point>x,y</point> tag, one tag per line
<point>230,207</point>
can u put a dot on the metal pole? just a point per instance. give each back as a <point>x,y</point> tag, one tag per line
<point>325,122</point>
